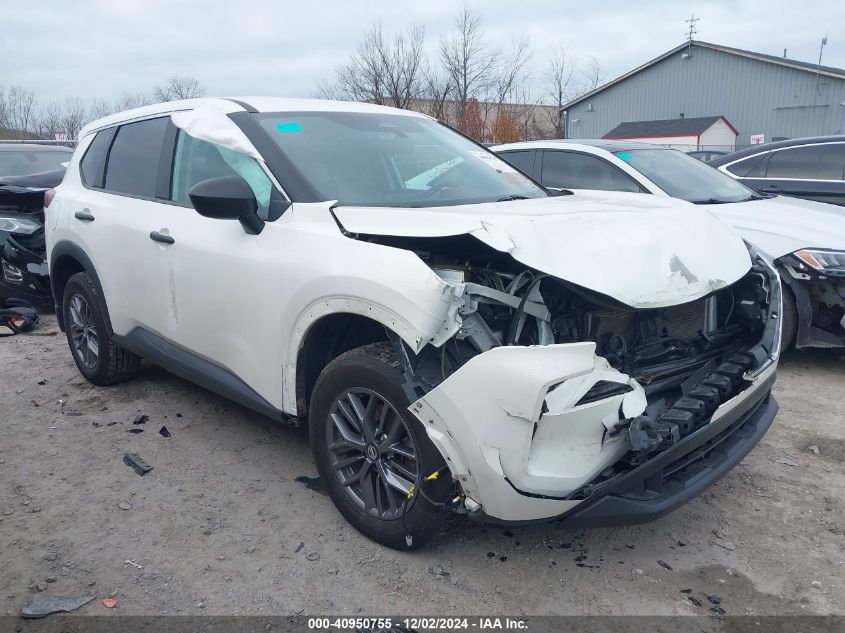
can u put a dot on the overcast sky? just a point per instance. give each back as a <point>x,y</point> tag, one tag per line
<point>101,48</point>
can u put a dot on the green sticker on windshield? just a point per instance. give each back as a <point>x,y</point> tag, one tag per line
<point>284,128</point>
<point>624,156</point>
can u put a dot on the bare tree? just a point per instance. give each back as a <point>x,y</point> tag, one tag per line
<point>129,100</point>
<point>99,108</point>
<point>559,84</point>
<point>383,69</point>
<point>17,110</point>
<point>435,92</point>
<point>468,59</point>
<point>177,87</point>
<point>49,121</point>
<point>74,116</point>
<point>593,76</point>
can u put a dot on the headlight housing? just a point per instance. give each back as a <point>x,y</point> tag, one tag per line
<point>22,226</point>
<point>825,261</point>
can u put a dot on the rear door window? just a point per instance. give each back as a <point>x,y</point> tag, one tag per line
<point>523,160</point>
<point>570,170</point>
<point>808,162</point>
<point>134,158</point>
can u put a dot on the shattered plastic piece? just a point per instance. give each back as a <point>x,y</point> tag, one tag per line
<point>141,418</point>
<point>664,565</point>
<point>110,603</point>
<point>134,460</point>
<point>164,432</point>
<point>135,431</point>
<point>714,599</point>
<point>42,604</point>
<point>133,563</point>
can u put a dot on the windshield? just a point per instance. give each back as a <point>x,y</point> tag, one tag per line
<point>684,177</point>
<point>25,162</point>
<point>374,159</point>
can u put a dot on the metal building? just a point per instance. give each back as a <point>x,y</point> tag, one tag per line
<point>759,94</point>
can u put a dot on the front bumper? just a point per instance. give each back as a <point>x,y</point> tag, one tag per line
<point>514,432</point>
<point>26,254</point>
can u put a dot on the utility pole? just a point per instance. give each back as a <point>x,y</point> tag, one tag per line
<point>819,66</point>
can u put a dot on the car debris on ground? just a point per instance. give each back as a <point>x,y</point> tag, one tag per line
<point>43,604</point>
<point>134,461</point>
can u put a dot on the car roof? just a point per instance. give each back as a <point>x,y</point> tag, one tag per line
<point>575,143</point>
<point>5,146</point>
<point>228,105</point>
<point>765,147</point>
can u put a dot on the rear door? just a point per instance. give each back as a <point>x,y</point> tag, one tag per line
<point>113,217</point>
<point>814,172</point>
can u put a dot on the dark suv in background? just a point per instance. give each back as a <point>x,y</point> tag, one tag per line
<point>811,168</point>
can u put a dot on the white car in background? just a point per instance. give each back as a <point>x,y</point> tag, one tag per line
<point>805,238</point>
<point>458,340</point>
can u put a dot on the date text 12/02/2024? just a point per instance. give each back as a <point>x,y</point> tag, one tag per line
<point>415,623</point>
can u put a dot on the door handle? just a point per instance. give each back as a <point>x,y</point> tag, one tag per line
<point>84,215</point>
<point>155,236</point>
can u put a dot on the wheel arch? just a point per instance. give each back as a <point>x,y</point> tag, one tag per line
<point>319,339</point>
<point>67,259</point>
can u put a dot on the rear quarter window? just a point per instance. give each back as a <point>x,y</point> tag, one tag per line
<point>809,162</point>
<point>92,163</point>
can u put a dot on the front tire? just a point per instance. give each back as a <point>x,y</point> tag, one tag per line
<point>789,323</point>
<point>95,354</point>
<point>370,450</point>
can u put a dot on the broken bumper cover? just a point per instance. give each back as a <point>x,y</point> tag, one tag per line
<point>23,269</point>
<point>680,473</point>
<point>520,432</point>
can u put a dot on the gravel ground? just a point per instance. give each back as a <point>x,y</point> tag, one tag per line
<point>225,523</point>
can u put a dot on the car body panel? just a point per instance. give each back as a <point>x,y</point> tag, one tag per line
<point>649,258</point>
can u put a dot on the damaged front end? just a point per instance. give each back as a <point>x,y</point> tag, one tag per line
<point>554,400</point>
<point>816,278</point>
<point>22,248</point>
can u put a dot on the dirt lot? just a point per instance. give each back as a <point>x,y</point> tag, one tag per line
<point>222,525</point>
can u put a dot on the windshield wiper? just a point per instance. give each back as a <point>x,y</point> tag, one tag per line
<point>711,201</point>
<point>514,197</point>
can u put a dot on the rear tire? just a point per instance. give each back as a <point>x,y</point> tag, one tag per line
<point>367,472</point>
<point>95,354</point>
<point>789,319</point>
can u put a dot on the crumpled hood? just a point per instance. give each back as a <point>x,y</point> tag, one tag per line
<point>641,250</point>
<point>782,225</point>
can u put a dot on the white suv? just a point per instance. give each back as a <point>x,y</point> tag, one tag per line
<point>459,341</point>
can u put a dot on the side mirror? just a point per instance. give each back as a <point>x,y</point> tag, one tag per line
<point>227,198</point>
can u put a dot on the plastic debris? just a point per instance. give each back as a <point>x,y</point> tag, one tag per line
<point>42,604</point>
<point>134,461</point>
<point>664,565</point>
<point>312,556</point>
<point>164,432</point>
<point>133,563</point>
<point>110,603</point>
<point>141,419</point>
<point>135,431</point>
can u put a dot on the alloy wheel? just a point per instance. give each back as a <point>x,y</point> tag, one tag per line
<point>83,331</point>
<point>372,452</point>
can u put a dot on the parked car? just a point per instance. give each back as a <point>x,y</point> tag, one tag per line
<point>810,168</point>
<point>807,239</point>
<point>26,172</point>
<point>706,155</point>
<point>458,343</point>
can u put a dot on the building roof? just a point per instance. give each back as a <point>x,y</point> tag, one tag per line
<point>666,127</point>
<point>828,71</point>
